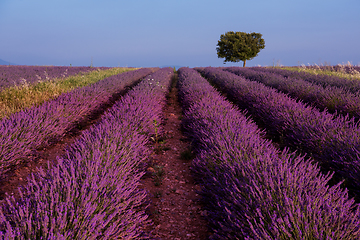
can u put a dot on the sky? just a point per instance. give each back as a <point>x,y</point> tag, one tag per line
<point>156,33</point>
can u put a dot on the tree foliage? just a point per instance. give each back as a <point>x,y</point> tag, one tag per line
<point>239,46</point>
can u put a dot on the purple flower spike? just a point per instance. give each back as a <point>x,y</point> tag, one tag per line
<point>250,189</point>
<point>94,192</point>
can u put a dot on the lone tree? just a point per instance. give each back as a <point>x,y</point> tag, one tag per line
<point>239,46</point>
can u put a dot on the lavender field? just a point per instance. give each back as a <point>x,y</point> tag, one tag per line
<point>276,153</point>
<point>20,75</point>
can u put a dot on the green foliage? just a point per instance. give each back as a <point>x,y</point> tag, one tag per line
<point>158,174</point>
<point>239,46</point>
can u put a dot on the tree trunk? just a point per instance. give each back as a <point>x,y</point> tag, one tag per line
<point>244,63</point>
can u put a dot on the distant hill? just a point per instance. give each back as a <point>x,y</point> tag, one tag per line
<point>2,62</point>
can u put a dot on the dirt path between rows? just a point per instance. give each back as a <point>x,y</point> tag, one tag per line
<point>175,207</point>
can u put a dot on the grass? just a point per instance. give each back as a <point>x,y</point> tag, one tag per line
<point>159,141</point>
<point>341,74</point>
<point>17,98</point>
<point>161,147</point>
<point>158,174</point>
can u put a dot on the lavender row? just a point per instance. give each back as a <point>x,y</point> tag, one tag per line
<point>333,99</point>
<point>94,192</point>
<point>24,132</point>
<point>18,75</point>
<point>352,85</point>
<point>250,189</point>
<point>334,141</point>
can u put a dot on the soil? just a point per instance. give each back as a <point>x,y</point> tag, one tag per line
<point>175,207</point>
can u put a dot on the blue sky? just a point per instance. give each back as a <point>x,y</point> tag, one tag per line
<point>147,33</point>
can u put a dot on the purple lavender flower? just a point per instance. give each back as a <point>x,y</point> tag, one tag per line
<point>250,189</point>
<point>93,192</point>
<point>24,132</point>
<point>333,141</point>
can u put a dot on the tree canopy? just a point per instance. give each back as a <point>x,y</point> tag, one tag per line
<point>239,46</point>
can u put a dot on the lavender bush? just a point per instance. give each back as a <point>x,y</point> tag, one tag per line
<point>93,192</point>
<point>250,189</point>
<point>333,141</point>
<point>334,99</point>
<point>24,132</point>
<point>352,85</point>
